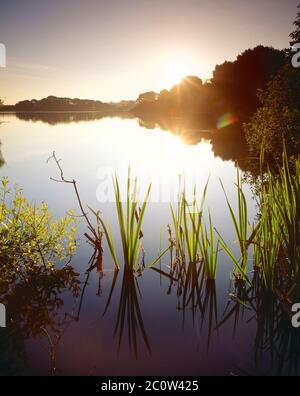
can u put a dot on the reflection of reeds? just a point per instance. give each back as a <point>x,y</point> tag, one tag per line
<point>276,336</point>
<point>276,340</point>
<point>239,302</point>
<point>129,312</point>
<point>209,306</point>
<point>195,293</point>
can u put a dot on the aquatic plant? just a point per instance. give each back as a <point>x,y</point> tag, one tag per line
<point>277,243</point>
<point>209,247</point>
<point>242,228</point>
<point>130,221</point>
<point>187,223</point>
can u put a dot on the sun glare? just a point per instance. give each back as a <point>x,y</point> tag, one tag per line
<point>175,72</point>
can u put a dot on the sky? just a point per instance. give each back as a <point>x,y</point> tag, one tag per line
<point>115,49</point>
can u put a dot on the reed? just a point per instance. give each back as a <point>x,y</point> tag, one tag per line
<point>187,224</point>
<point>277,243</point>
<point>276,235</point>
<point>242,230</point>
<point>191,238</point>
<point>130,219</point>
<point>209,248</point>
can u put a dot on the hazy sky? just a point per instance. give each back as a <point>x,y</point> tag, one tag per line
<point>116,49</point>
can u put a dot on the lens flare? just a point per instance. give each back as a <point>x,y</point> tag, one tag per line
<point>226,120</point>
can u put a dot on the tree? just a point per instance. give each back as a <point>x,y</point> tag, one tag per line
<point>295,35</point>
<point>278,118</point>
<point>235,84</point>
<point>147,97</point>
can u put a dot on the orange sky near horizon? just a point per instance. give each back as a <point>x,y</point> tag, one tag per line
<point>114,50</point>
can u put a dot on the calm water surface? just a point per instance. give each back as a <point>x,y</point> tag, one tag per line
<point>158,336</point>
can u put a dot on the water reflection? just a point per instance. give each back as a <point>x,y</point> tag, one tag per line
<point>34,304</point>
<point>2,160</point>
<point>129,313</point>
<point>12,352</point>
<point>65,117</point>
<point>228,144</point>
<point>187,300</point>
<point>95,263</point>
<point>277,343</point>
<point>195,295</point>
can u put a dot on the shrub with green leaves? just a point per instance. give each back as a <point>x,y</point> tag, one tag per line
<point>29,235</point>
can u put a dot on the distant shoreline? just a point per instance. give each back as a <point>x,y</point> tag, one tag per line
<point>64,111</point>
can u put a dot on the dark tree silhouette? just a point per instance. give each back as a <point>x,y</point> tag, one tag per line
<point>53,103</point>
<point>233,89</point>
<point>295,35</point>
<point>235,84</point>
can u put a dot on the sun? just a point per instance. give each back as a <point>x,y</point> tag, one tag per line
<point>175,72</point>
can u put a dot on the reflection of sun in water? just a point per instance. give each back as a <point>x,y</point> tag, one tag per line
<point>157,157</point>
<point>175,72</point>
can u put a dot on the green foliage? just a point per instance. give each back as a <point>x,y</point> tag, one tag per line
<point>273,241</point>
<point>192,223</point>
<point>277,249</point>
<point>130,221</point>
<point>186,227</point>
<point>29,237</point>
<point>278,118</point>
<point>192,238</point>
<point>209,250</point>
<point>244,232</point>
<point>35,250</point>
<point>276,235</point>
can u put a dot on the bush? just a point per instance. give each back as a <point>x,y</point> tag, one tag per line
<point>29,237</point>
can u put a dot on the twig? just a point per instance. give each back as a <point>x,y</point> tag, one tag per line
<point>64,180</point>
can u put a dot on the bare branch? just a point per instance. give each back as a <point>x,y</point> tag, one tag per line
<point>98,238</point>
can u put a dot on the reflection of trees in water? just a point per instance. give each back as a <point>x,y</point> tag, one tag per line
<point>228,143</point>
<point>2,160</point>
<point>12,353</point>
<point>34,305</point>
<point>55,118</point>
